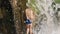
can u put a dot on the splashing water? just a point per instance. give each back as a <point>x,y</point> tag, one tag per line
<point>46,22</point>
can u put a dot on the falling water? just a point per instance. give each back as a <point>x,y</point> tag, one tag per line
<point>46,22</point>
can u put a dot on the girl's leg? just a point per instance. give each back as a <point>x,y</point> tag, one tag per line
<point>30,28</point>
<point>27,29</point>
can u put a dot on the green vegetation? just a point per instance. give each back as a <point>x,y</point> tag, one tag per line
<point>32,4</point>
<point>57,1</point>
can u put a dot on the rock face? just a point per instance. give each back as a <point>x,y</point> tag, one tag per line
<point>46,22</point>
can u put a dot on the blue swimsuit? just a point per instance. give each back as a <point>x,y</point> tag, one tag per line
<point>28,21</point>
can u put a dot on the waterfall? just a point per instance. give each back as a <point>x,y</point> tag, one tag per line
<point>46,21</point>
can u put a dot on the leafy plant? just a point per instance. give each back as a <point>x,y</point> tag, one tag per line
<point>57,1</point>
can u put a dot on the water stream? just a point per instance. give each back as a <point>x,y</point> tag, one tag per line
<point>46,22</point>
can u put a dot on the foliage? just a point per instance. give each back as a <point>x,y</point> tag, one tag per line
<point>32,4</point>
<point>57,1</point>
